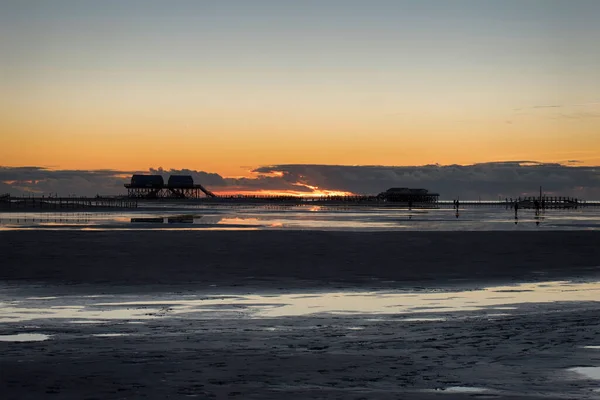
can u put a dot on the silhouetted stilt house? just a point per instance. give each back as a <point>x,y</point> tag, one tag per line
<point>153,187</point>
<point>408,195</point>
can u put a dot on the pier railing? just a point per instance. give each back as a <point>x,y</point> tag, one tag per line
<point>122,202</point>
<point>60,203</point>
<point>544,202</point>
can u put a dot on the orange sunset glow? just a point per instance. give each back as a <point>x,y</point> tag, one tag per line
<point>314,193</point>
<point>218,91</point>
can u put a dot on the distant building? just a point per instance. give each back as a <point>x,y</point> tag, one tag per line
<point>154,187</point>
<point>181,181</point>
<point>147,181</point>
<point>408,195</point>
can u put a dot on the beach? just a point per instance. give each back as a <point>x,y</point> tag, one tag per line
<point>288,314</point>
<point>305,259</point>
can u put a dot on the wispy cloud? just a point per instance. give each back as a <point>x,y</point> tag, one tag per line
<point>576,115</point>
<point>578,111</point>
<point>548,106</point>
<point>588,104</point>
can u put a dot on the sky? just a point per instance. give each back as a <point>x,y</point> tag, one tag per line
<point>232,86</point>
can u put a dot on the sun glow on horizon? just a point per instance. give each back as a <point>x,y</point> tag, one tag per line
<point>277,193</point>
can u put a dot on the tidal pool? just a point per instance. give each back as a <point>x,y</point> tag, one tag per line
<point>408,305</point>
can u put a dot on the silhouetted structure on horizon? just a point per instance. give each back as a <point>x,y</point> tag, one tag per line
<point>183,187</point>
<point>153,187</point>
<point>408,195</point>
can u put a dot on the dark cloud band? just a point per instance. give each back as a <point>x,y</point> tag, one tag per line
<point>486,180</point>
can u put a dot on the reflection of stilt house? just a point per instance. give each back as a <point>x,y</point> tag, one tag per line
<point>411,196</point>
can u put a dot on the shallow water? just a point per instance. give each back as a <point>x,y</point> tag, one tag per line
<point>535,338</point>
<point>464,389</point>
<point>109,335</point>
<point>410,306</point>
<point>24,337</point>
<point>587,372</point>
<point>304,217</point>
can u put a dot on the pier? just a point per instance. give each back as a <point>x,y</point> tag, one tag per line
<point>528,202</point>
<point>8,202</point>
<point>371,201</point>
<point>182,189</point>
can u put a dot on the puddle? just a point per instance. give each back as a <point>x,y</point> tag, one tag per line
<point>422,319</point>
<point>475,391</point>
<point>588,372</point>
<point>78,314</point>
<point>418,305</point>
<point>89,321</point>
<point>464,389</point>
<point>24,337</point>
<point>110,334</point>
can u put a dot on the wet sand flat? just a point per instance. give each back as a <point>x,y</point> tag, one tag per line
<point>529,353</point>
<point>269,259</point>
<point>135,340</point>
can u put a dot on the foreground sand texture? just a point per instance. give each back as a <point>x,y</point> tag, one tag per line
<point>497,354</point>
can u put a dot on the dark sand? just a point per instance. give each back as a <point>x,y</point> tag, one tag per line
<point>523,355</point>
<point>299,259</point>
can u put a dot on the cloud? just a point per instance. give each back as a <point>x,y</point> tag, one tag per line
<point>573,112</point>
<point>577,115</point>
<point>588,104</point>
<point>260,181</point>
<point>39,180</point>
<point>488,180</point>
<point>43,181</point>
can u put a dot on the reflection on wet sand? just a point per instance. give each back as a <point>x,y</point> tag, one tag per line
<point>24,337</point>
<point>423,305</point>
<point>305,218</point>
<point>463,389</point>
<point>430,343</point>
<point>587,372</point>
